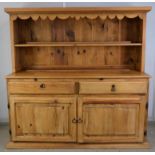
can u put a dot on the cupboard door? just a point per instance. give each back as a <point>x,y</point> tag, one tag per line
<point>111,119</point>
<point>43,118</point>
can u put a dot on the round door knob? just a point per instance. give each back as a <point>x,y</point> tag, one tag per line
<point>80,120</point>
<point>74,120</point>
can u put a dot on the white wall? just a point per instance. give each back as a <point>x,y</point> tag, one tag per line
<point>5,53</point>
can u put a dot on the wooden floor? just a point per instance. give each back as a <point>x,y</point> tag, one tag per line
<point>5,138</point>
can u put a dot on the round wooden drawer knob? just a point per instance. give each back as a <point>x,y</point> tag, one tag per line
<point>113,88</point>
<point>42,85</point>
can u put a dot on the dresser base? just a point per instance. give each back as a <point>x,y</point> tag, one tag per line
<point>31,145</point>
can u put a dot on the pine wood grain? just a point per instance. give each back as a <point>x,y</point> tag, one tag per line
<point>78,78</point>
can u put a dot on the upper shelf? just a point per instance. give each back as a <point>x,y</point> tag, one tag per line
<point>70,44</point>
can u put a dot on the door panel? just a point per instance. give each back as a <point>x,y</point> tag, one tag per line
<point>113,119</point>
<point>43,118</point>
<point>126,114</point>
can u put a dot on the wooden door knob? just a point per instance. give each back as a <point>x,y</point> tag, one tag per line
<point>80,120</point>
<point>74,120</point>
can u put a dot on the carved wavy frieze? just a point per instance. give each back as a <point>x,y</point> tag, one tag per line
<point>76,16</point>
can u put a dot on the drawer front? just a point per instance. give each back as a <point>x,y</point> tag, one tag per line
<point>41,87</point>
<point>113,87</point>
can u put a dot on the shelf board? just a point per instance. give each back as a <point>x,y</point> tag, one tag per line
<point>39,67</point>
<point>70,44</point>
<point>65,74</point>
